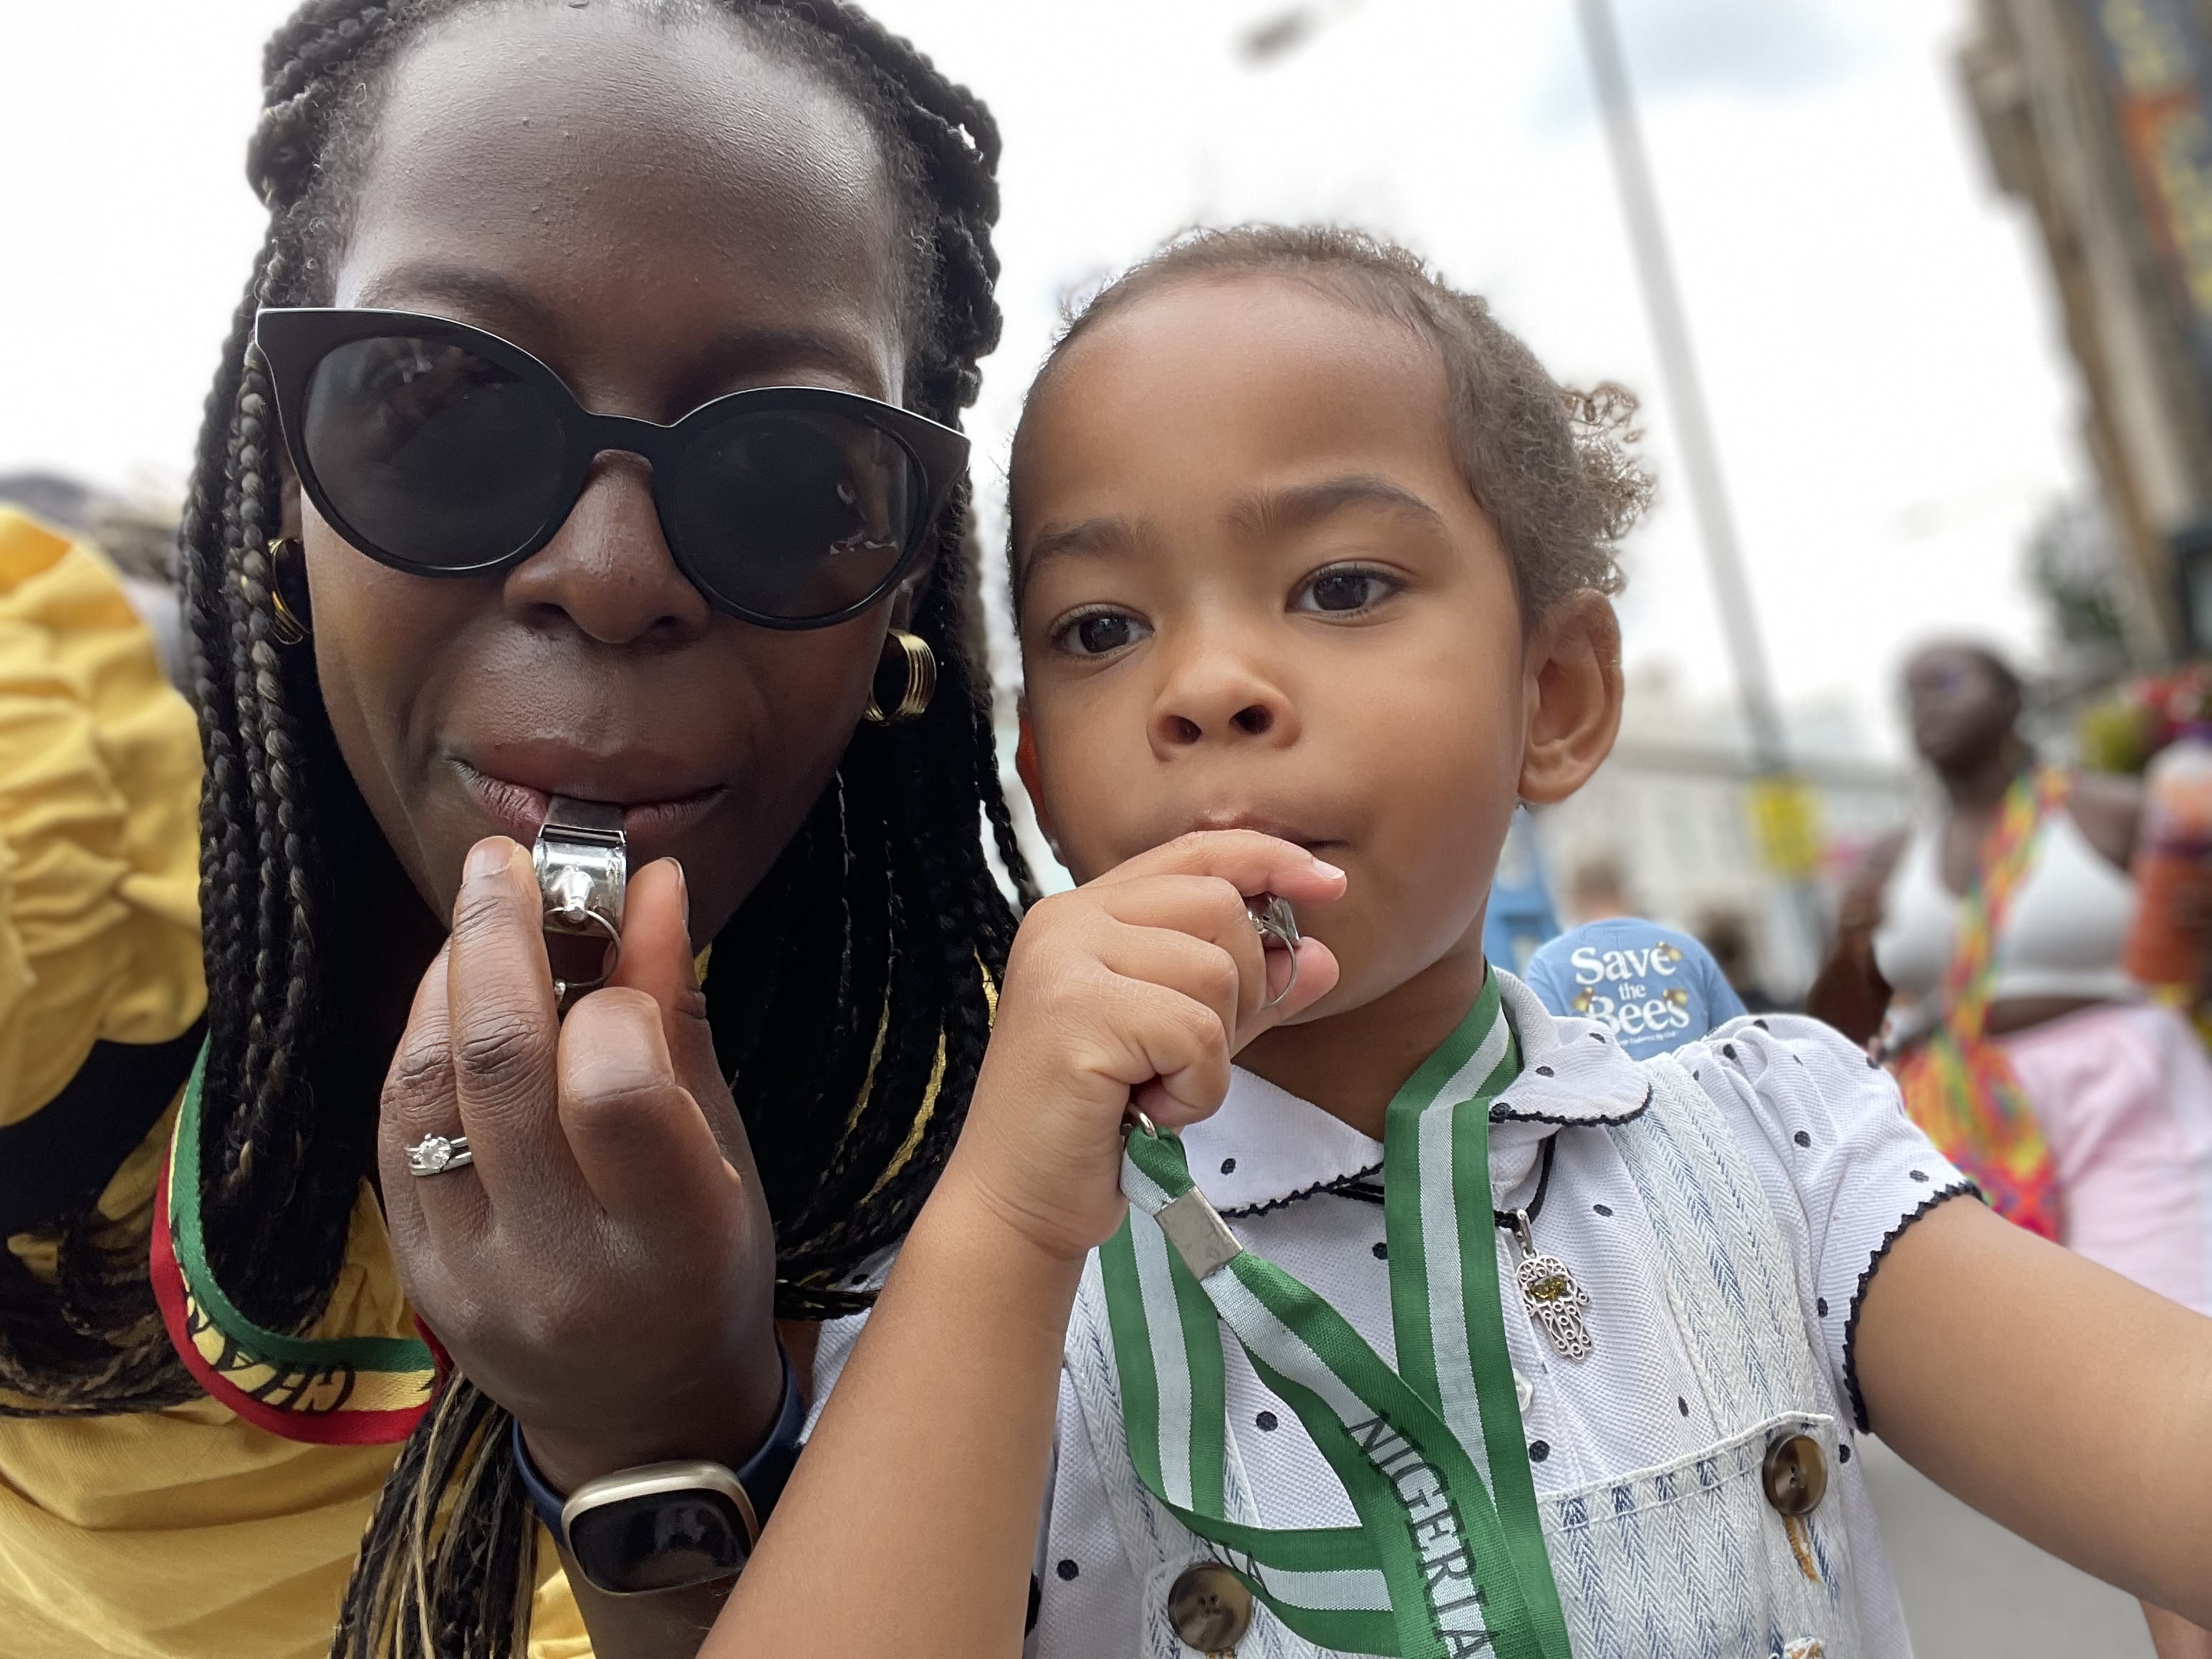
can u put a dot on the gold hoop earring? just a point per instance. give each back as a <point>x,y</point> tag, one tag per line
<point>921,665</point>
<point>286,623</point>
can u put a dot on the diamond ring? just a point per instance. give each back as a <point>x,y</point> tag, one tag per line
<point>437,1154</point>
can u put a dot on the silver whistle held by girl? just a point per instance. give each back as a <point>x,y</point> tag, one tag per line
<point>1279,930</point>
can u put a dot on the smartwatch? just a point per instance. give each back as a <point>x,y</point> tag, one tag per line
<point>669,1526</point>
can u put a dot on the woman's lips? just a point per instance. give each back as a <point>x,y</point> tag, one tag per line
<point>518,810</point>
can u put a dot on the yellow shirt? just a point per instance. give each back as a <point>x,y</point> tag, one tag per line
<point>184,1534</point>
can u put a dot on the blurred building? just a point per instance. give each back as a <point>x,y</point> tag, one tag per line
<point>2096,112</point>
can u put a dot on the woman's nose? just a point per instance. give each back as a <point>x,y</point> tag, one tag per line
<point>1217,695</point>
<point>607,570</point>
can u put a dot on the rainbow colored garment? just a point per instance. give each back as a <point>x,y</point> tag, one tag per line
<point>347,1391</point>
<point>1957,1085</point>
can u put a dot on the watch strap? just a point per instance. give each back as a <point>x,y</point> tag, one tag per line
<point>768,1471</point>
<point>764,1475</point>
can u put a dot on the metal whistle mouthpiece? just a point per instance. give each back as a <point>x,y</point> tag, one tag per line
<point>582,860</point>
<point>1271,915</point>
<point>1279,930</point>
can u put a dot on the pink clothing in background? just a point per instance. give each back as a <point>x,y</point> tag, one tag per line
<point>2125,1096</point>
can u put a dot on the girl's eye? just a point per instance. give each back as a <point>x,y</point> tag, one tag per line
<point>1347,589</point>
<point>1100,633</point>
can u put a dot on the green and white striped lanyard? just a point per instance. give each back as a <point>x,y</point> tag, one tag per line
<point>1447,1559</point>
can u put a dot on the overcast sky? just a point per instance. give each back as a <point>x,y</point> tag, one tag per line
<point>1875,326</point>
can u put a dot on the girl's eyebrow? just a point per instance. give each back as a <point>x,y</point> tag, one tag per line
<point>1086,538</point>
<point>1260,513</point>
<point>1300,505</point>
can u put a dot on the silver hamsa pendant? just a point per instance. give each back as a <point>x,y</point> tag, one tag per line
<point>1550,1292</point>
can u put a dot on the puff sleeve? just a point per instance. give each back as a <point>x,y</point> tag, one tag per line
<point>99,778</point>
<point>1845,1171</point>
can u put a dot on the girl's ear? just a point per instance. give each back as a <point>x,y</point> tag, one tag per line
<point>1572,696</point>
<point>1025,767</point>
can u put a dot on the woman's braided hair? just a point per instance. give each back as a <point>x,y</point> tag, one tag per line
<point>851,995</point>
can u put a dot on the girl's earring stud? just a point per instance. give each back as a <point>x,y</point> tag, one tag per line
<point>919,664</point>
<point>287,625</point>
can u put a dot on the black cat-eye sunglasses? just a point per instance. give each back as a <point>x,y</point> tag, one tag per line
<point>444,451</point>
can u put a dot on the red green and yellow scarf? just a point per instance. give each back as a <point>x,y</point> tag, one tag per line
<point>346,1391</point>
<point>1957,1085</point>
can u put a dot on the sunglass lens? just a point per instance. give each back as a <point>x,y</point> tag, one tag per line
<point>796,514</point>
<point>438,458</point>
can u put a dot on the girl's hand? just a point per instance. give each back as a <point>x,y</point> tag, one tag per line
<point>1134,990</point>
<point>606,1268</point>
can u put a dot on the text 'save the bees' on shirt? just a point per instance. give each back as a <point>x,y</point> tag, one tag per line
<point>1654,989</point>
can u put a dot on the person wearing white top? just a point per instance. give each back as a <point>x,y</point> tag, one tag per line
<point>2119,1084</point>
<point>1432,1325</point>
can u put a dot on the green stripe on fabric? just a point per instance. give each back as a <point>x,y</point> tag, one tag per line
<point>1209,1389</point>
<point>1403,1233</point>
<point>1133,1354</point>
<point>1407,1245</point>
<point>360,1353</point>
<point>1502,1434</point>
<point>1171,1365</point>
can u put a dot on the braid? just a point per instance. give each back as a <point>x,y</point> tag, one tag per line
<point>952,134</point>
<point>853,1186</point>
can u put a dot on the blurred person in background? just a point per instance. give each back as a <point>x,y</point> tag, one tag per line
<point>139,537</point>
<point>1598,889</point>
<point>1726,935</point>
<point>223,1433</point>
<point>1999,919</point>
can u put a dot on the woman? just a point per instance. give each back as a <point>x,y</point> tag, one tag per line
<point>662,203</point>
<point>2085,1112</point>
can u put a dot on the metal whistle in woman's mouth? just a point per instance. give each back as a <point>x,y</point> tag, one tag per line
<point>582,860</point>
<point>1279,930</point>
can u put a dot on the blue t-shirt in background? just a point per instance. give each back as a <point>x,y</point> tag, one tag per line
<point>1653,988</point>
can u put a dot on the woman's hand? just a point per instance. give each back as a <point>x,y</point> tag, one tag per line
<point>1850,993</point>
<point>605,1267</point>
<point>1135,989</point>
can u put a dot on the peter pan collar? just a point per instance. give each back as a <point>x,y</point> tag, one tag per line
<point>1266,1146</point>
<point>1572,1071</point>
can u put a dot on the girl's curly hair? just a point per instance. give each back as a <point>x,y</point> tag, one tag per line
<point>1553,467</point>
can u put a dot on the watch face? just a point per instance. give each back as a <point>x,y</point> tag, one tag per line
<point>658,1541</point>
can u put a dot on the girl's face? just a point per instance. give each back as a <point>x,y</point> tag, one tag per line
<point>661,215</point>
<point>1255,591</point>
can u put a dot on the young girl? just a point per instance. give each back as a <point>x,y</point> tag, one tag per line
<point>1437,1326</point>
